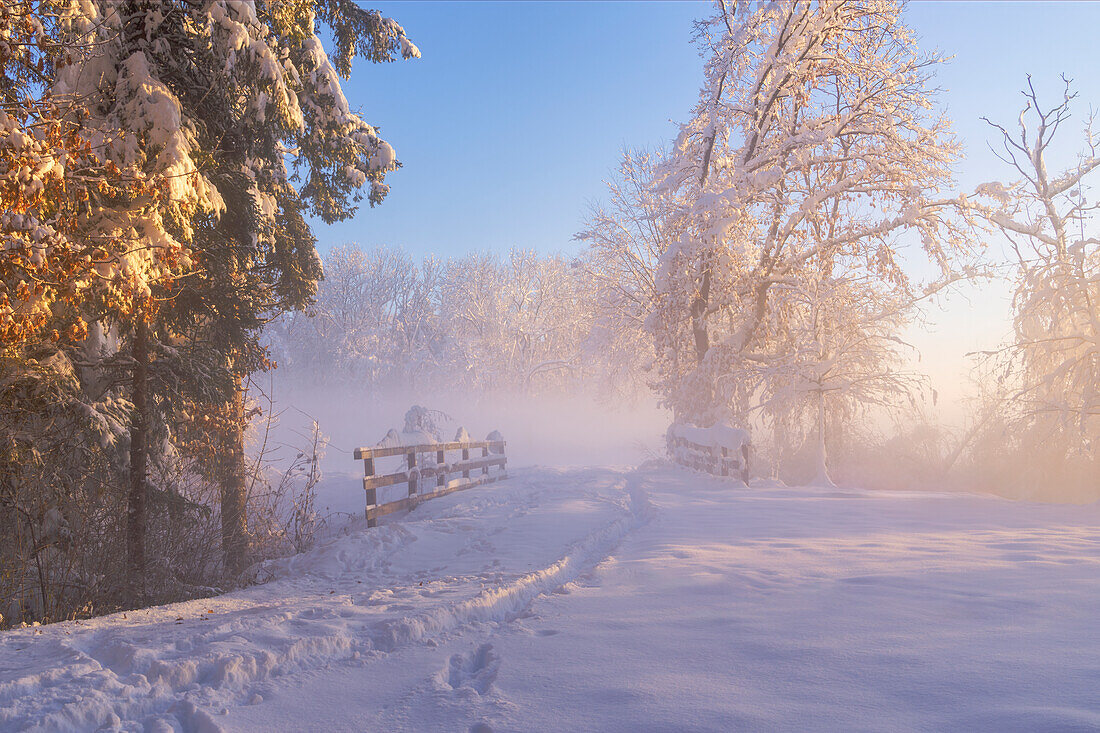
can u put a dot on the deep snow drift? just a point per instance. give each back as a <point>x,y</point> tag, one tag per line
<point>607,599</point>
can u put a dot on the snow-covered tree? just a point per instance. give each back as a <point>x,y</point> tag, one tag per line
<point>625,240</point>
<point>514,322</point>
<point>837,356</point>
<point>814,156</point>
<point>56,193</point>
<point>62,258</point>
<point>373,322</point>
<point>1050,223</point>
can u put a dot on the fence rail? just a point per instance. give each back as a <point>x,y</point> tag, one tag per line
<point>420,469</point>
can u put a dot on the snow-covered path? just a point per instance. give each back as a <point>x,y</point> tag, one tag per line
<point>604,599</point>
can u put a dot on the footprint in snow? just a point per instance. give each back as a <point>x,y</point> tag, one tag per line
<point>474,671</point>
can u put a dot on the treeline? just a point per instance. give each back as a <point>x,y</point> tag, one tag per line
<point>512,322</point>
<point>159,162</point>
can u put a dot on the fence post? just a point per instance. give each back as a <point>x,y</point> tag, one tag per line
<point>466,457</point>
<point>372,493</point>
<point>725,462</point>
<point>441,478</point>
<point>485,454</point>
<point>412,473</point>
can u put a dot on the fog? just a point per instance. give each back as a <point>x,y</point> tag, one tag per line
<point>555,431</point>
<point>523,344</point>
<point>549,431</point>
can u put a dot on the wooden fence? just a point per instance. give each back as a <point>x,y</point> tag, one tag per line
<point>715,460</point>
<point>420,469</point>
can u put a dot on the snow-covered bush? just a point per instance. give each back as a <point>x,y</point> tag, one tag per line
<point>283,517</point>
<point>427,422</point>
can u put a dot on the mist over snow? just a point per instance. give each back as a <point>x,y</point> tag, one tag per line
<point>556,430</point>
<point>550,431</point>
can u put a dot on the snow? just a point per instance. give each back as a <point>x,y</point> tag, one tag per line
<point>422,427</point>
<point>395,439</point>
<point>720,435</point>
<point>614,599</point>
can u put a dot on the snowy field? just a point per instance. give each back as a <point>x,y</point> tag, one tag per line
<point>614,599</point>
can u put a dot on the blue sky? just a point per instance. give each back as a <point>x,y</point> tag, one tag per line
<point>516,113</point>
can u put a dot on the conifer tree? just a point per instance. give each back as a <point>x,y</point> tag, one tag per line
<point>213,97</point>
<point>70,250</point>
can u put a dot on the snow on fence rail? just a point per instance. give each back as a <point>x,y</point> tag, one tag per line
<point>419,466</point>
<point>721,450</point>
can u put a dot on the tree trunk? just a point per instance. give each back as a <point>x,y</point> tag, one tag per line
<point>139,430</point>
<point>822,478</point>
<point>234,485</point>
<point>699,316</point>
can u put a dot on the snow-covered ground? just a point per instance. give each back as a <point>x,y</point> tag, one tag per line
<point>615,599</point>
